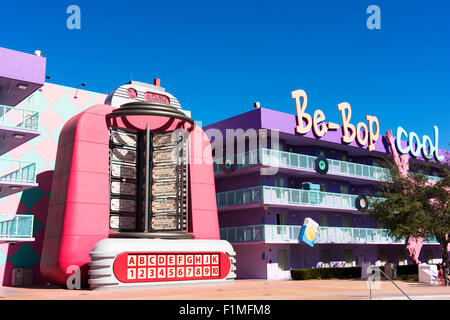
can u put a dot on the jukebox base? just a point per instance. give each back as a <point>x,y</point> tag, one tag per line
<point>152,235</point>
<point>146,263</point>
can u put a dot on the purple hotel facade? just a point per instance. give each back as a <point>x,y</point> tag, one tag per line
<point>261,212</point>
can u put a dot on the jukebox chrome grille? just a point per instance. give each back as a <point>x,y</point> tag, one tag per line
<point>148,181</point>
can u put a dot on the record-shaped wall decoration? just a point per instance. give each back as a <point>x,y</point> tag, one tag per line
<point>321,165</point>
<point>228,166</point>
<point>362,204</point>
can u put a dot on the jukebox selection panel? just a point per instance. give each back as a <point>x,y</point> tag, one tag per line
<point>169,182</point>
<point>147,267</point>
<point>123,180</point>
<point>168,185</point>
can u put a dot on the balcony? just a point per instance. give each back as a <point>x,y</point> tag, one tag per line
<point>287,197</point>
<point>16,176</point>
<point>299,163</point>
<point>16,228</point>
<point>21,74</point>
<point>17,126</point>
<point>434,178</point>
<point>326,235</point>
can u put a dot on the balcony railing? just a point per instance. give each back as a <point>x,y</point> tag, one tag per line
<point>13,117</point>
<point>17,171</point>
<point>290,234</point>
<point>288,196</point>
<point>304,162</point>
<point>16,227</point>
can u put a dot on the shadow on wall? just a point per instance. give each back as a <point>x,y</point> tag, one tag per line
<point>28,254</point>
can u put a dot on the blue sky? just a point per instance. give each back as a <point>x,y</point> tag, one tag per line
<point>218,57</point>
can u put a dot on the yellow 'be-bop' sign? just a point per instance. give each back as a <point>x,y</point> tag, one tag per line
<point>364,133</point>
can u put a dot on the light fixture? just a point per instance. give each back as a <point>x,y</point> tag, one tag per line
<point>81,84</point>
<point>18,135</point>
<point>38,53</point>
<point>22,86</point>
<point>256,105</point>
<point>15,187</point>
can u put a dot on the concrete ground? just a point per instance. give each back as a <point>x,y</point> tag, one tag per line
<point>243,290</point>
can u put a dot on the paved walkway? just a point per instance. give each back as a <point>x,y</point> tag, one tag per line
<point>242,290</point>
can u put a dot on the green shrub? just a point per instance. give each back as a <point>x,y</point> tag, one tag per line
<point>326,273</point>
<point>344,273</point>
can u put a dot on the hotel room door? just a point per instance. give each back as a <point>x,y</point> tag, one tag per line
<point>281,222</point>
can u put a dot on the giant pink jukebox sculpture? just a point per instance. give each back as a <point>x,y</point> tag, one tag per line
<point>133,198</point>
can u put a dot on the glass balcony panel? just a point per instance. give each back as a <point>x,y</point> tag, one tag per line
<point>258,233</point>
<point>351,169</point>
<point>253,157</point>
<point>13,117</point>
<point>284,159</point>
<point>295,198</point>
<point>358,170</point>
<point>294,160</point>
<point>239,196</point>
<point>344,167</point>
<point>256,195</point>
<point>230,198</point>
<point>372,172</point>
<point>303,161</point>
<point>313,197</point>
<point>240,234</point>
<point>304,197</point>
<point>17,171</point>
<point>221,199</point>
<point>16,226</point>
<point>311,162</point>
<point>337,199</point>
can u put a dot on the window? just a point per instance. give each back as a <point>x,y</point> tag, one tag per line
<point>323,187</point>
<point>325,258</point>
<point>320,153</point>
<point>282,260</point>
<point>344,189</point>
<point>346,222</point>
<point>401,257</point>
<point>279,182</point>
<point>323,221</point>
<point>382,256</point>
<point>281,219</point>
<point>342,157</point>
<point>348,253</point>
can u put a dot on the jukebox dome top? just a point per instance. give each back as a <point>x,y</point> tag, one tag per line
<point>135,91</point>
<point>149,109</point>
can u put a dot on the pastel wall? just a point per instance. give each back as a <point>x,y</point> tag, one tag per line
<point>56,104</point>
